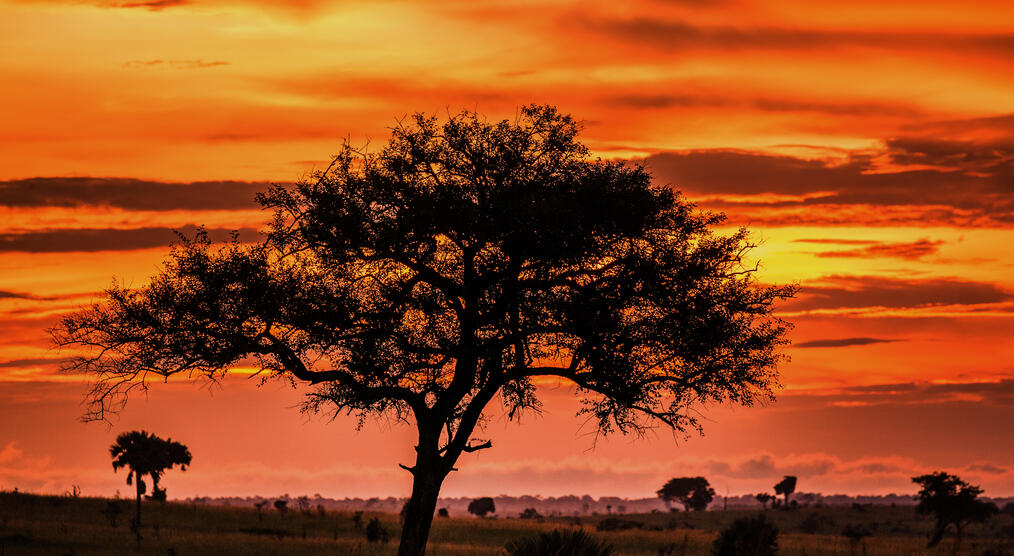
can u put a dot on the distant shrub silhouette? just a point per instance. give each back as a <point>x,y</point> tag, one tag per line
<point>282,506</point>
<point>375,532</point>
<point>357,520</point>
<point>764,498</point>
<point>260,509</point>
<point>530,513</point>
<point>442,512</point>
<point>482,506</point>
<point>618,524</point>
<point>157,495</point>
<point>557,543</point>
<point>747,536</point>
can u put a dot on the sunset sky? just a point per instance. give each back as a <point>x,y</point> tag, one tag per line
<point>868,145</point>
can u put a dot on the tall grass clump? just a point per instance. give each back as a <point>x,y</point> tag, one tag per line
<point>559,543</point>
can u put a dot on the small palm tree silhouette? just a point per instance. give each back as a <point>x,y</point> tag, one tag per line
<point>146,454</point>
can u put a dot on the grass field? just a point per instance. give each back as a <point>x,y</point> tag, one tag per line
<point>80,526</point>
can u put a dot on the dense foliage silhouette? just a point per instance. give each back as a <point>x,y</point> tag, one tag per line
<point>693,492</point>
<point>953,502</point>
<point>449,269</point>
<point>482,506</point>
<point>786,487</point>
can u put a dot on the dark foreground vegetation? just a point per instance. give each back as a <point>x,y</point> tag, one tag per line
<point>59,525</point>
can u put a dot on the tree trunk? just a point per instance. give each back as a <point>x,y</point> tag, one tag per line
<point>420,509</point>
<point>138,485</point>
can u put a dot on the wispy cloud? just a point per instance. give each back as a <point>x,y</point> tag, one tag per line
<point>747,101</point>
<point>998,393</point>
<point>899,250</point>
<point>153,5</point>
<point>175,64</point>
<point>844,342</point>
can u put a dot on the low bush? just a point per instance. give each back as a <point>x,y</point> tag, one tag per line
<point>748,536</point>
<point>618,524</point>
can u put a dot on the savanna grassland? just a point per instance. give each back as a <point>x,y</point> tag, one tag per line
<point>64,525</point>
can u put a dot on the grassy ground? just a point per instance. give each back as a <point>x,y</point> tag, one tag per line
<point>80,526</point>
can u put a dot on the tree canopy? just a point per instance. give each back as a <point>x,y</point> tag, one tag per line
<point>482,506</point>
<point>693,492</point>
<point>786,487</point>
<point>147,454</point>
<point>453,266</point>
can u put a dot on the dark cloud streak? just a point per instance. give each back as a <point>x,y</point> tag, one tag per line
<point>677,36</point>
<point>765,104</point>
<point>921,179</point>
<point>101,239</point>
<point>18,295</point>
<point>153,5</point>
<point>28,363</point>
<point>854,292</point>
<point>844,342</point>
<point>900,250</point>
<point>131,194</point>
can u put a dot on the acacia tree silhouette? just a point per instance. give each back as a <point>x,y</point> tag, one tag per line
<point>455,265</point>
<point>695,493</point>
<point>482,506</point>
<point>953,502</point>
<point>786,487</point>
<point>146,454</point>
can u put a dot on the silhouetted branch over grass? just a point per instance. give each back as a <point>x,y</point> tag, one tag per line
<point>454,266</point>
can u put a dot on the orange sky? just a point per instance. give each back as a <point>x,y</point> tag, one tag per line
<point>869,145</point>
